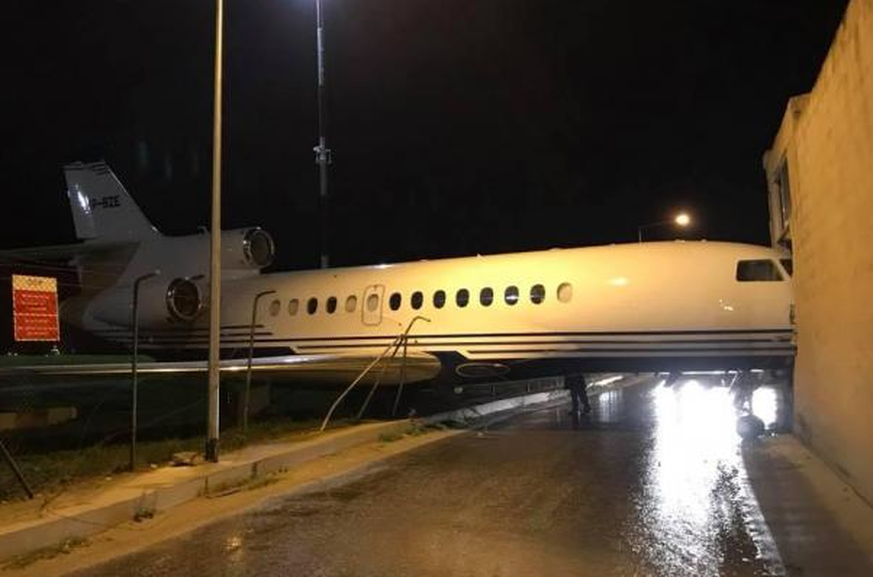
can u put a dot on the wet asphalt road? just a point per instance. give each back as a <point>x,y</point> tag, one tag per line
<point>653,483</point>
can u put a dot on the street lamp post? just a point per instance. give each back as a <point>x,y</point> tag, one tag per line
<point>134,393</point>
<point>322,152</point>
<point>212,427</point>
<point>681,219</point>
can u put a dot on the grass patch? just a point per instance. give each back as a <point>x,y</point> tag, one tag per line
<point>414,430</point>
<point>417,429</point>
<point>144,514</point>
<point>390,437</point>
<point>51,473</point>
<point>63,548</point>
<point>248,484</point>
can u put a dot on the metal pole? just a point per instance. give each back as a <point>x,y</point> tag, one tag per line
<point>322,152</point>
<point>134,394</point>
<point>651,224</point>
<point>14,466</point>
<point>247,390</point>
<point>402,380</point>
<point>212,427</point>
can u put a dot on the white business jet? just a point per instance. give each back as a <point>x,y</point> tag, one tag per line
<point>657,306</point>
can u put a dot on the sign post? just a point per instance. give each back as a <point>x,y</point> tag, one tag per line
<point>35,318</point>
<point>35,308</point>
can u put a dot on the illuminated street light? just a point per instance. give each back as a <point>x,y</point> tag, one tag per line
<point>682,219</point>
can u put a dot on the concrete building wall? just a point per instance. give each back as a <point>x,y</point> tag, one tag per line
<point>826,142</point>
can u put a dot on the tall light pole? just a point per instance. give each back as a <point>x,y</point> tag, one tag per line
<point>212,426</point>
<point>322,152</point>
<point>682,219</point>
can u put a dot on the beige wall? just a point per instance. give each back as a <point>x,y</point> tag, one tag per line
<point>828,143</point>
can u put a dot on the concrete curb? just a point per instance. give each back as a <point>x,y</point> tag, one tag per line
<point>166,488</point>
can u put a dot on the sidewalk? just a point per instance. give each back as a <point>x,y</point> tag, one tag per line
<point>820,525</point>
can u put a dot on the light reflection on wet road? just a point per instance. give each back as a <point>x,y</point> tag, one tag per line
<point>652,483</point>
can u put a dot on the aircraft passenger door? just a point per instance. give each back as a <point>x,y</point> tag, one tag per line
<point>371,311</point>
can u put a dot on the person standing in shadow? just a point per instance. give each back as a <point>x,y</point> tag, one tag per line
<point>578,393</point>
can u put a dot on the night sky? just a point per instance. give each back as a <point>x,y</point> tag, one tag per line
<point>458,126</point>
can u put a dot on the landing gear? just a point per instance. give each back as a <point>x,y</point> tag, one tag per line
<point>742,387</point>
<point>749,426</point>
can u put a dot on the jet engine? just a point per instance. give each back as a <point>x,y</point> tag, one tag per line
<point>184,300</point>
<point>181,301</point>
<point>246,248</point>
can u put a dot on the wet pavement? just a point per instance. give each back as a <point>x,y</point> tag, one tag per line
<point>653,482</point>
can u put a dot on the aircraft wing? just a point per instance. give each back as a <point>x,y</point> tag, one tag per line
<point>325,368</point>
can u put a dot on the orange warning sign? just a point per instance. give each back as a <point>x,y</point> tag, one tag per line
<point>35,308</point>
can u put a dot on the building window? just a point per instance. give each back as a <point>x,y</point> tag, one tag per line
<point>293,306</point>
<point>331,305</point>
<point>757,270</point>
<point>275,307</point>
<point>312,305</point>
<point>486,297</point>
<point>565,292</point>
<point>394,301</point>
<point>510,295</point>
<point>462,297</point>
<point>417,300</point>
<point>537,294</point>
<point>439,299</point>
<point>351,303</point>
<point>784,184</point>
<point>788,265</point>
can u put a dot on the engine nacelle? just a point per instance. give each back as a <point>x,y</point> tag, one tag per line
<point>185,300</point>
<point>246,248</point>
<point>180,301</point>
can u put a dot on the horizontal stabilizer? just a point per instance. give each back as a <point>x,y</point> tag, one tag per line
<point>59,252</point>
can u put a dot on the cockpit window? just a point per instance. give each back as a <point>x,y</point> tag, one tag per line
<point>758,270</point>
<point>788,265</point>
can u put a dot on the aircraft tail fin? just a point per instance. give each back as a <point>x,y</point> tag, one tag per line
<point>102,208</point>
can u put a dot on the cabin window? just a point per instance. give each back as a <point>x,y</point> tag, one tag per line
<point>372,302</point>
<point>275,307</point>
<point>788,265</point>
<point>439,299</point>
<point>537,294</point>
<point>351,303</point>
<point>394,301</point>
<point>293,306</point>
<point>757,270</point>
<point>312,305</point>
<point>510,295</point>
<point>565,292</point>
<point>486,297</point>
<point>462,297</point>
<point>416,300</point>
<point>331,305</point>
